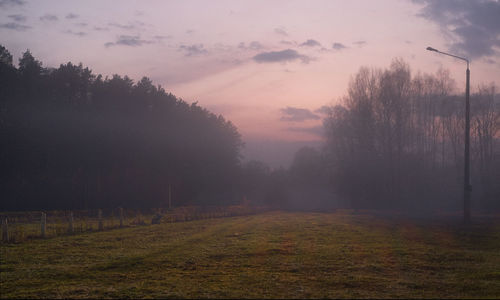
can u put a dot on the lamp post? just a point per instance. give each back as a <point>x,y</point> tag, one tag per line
<point>467,185</point>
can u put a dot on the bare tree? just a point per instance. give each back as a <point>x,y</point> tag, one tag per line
<point>485,130</point>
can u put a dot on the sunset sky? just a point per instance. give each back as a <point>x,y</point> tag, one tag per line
<point>268,66</point>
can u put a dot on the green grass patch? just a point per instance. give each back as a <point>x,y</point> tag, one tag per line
<point>271,255</point>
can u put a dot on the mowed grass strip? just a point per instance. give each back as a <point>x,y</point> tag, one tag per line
<point>271,255</point>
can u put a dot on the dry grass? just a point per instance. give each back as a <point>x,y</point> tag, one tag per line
<point>272,255</point>
<point>24,226</point>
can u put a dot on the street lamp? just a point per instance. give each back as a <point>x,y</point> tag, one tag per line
<point>467,185</point>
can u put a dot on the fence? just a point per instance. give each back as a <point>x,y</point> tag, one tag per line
<point>21,226</point>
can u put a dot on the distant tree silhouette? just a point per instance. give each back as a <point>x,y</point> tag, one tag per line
<point>397,141</point>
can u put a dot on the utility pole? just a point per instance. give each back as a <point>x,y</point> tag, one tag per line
<point>467,183</point>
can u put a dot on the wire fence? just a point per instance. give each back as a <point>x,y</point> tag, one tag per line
<point>18,227</point>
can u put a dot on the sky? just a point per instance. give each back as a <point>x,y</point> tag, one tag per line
<point>268,66</point>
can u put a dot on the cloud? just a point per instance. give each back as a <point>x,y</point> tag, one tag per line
<point>128,40</point>
<point>49,18</point>
<point>472,26</point>
<point>280,31</point>
<point>325,110</point>
<point>360,43</point>
<point>97,28</point>
<point>290,43</point>
<point>254,45</point>
<point>162,37</point>
<point>77,33</point>
<point>122,26</point>
<point>194,69</point>
<point>14,26</point>
<point>280,56</point>
<point>295,114</point>
<point>129,26</point>
<point>18,18</point>
<point>310,43</point>
<point>338,46</point>
<point>190,31</point>
<point>5,3</point>
<point>82,24</point>
<point>490,61</point>
<point>71,16</point>
<point>316,130</point>
<point>193,50</point>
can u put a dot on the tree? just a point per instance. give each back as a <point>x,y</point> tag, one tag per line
<point>485,129</point>
<point>29,67</point>
<point>5,57</point>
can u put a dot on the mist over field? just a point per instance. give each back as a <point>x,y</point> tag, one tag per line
<point>75,140</point>
<point>279,149</point>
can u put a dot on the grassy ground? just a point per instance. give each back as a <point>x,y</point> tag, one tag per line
<point>271,255</point>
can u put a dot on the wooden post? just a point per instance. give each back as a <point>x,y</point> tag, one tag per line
<point>101,227</point>
<point>70,227</point>
<point>169,196</point>
<point>43,225</point>
<point>121,217</point>
<point>5,230</point>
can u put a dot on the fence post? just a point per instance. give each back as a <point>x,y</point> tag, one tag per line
<point>5,230</point>
<point>43,224</point>
<point>169,196</point>
<point>70,228</point>
<point>101,227</point>
<point>121,217</point>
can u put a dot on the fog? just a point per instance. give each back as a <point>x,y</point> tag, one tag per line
<point>71,139</point>
<point>275,153</point>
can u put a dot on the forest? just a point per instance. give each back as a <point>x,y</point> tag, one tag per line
<point>71,139</point>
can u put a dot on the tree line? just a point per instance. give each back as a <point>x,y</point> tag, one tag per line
<point>397,140</point>
<point>72,139</point>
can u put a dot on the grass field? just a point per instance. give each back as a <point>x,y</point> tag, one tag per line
<point>271,255</point>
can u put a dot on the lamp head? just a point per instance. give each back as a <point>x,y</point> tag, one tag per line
<point>432,49</point>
